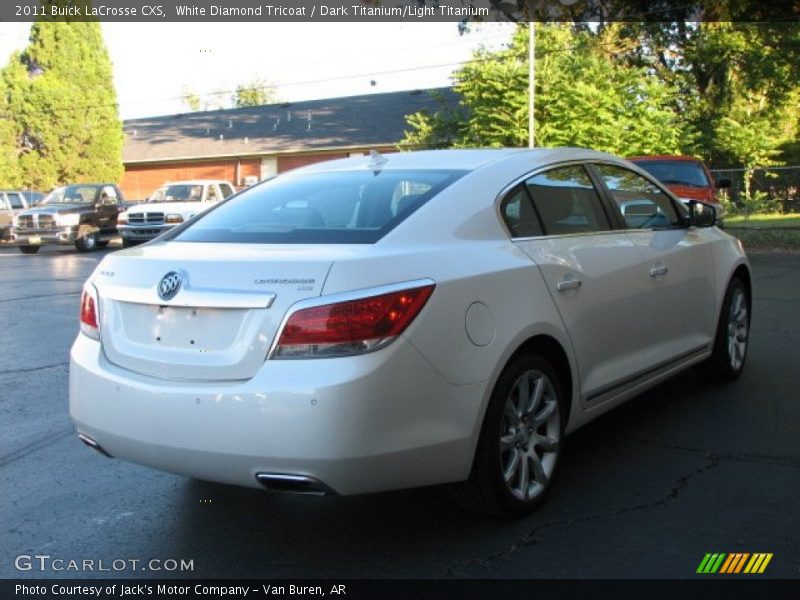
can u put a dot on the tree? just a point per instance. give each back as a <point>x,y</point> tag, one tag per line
<point>59,95</point>
<point>583,98</point>
<point>255,93</point>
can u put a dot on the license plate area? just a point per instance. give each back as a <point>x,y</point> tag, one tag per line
<point>34,240</point>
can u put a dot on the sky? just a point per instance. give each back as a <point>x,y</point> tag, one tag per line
<point>157,63</point>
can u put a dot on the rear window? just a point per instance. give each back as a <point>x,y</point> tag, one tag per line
<point>354,207</point>
<point>676,172</point>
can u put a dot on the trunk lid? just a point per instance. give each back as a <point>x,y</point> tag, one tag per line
<point>222,320</point>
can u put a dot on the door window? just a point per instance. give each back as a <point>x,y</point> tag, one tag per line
<point>225,189</point>
<point>567,202</point>
<point>642,204</point>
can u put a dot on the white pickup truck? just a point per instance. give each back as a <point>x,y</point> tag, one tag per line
<point>171,204</point>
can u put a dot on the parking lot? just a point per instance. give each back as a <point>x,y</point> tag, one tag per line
<point>685,469</point>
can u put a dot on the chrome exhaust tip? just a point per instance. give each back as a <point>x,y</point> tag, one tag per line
<point>92,444</point>
<point>293,484</point>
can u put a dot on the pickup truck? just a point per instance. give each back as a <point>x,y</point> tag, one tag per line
<point>171,204</point>
<point>83,214</point>
<point>13,202</point>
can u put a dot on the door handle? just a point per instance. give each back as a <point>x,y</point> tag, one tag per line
<point>568,284</point>
<point>658,270</point>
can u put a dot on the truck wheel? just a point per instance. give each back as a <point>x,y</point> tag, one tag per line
<point>126,243</point>
<point>86,243</point>
<point>102,244</point>
<point>29,249</point>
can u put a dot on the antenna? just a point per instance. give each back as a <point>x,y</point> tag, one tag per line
<point>376,161</point>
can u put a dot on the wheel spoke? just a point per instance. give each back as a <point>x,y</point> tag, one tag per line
<point>542,417</point>
<point>538,392</point>
<point>539,476</point>
<point>506,442</point>
<point>512,414</point>
<point>510,470</point>
<point>524,476</point>
<point>546,443</point>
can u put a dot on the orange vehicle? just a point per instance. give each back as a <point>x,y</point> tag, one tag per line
<point>686,177</point>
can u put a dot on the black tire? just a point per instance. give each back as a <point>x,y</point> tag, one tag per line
<point>86,243</point>
<point>727,360</point>
<point>126,243</point>
<point>29,249</point>
<point>102,244</point>
<point>495,486</point>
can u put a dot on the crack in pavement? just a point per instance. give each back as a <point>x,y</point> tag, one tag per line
<point>530,539</point>
<point>782,461</point>
<point>30,369</point>
<point>35,446</point>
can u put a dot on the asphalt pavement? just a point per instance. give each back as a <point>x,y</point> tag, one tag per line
<point>644,492</point>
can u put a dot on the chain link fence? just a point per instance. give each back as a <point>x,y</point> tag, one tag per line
<point>771,189</point>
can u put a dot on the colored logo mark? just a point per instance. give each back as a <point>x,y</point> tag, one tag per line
<point>736,562</point>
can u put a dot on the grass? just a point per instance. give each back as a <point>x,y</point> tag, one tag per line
<point>764,221</point>
<point>766,233</point>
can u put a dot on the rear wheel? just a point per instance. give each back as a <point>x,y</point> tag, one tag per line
<point>732,337</point>
<point>520,442</point>
<point>29,249</point>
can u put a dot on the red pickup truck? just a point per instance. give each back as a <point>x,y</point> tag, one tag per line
<point>686,177</point>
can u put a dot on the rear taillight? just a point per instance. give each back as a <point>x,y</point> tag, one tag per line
<point>89,323</point>
<point>350,327</point>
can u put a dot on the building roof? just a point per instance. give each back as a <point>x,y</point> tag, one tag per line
<point>355,121</point>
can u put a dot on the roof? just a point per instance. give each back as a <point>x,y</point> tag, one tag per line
<point>195,182</point>
<point>459,159</point>
<point>663,157</point>
<point>355,121</point>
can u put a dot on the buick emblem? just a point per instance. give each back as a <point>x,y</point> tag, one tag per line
<point>169,285</point>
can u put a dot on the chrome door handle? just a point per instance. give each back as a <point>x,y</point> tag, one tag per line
<point>658,271</point>
<point>568,284</point>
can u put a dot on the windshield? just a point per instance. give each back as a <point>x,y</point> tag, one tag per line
<point>72,194</point>
<point>178,193</point>
<point>354,207</point>
<point>676,172</point>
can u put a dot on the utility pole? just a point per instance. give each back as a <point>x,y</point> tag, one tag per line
<point>531,83</point>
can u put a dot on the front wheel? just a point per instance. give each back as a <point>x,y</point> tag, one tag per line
<point>732,336</point>
<point>29,249</point>
<point>86,243</point>
<point>520,441</point>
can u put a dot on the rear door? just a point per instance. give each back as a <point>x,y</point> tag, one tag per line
<point>591,270</point>
<point>676,263</point>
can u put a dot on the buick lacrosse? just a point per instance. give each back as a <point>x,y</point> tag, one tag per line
<point>385,322</point>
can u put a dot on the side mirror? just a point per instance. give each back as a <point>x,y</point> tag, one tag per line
<point>723,183</point>
<point>701,214</point>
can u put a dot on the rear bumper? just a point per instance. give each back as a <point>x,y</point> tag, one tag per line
<point>35,237</point>
<point>380,421</point>
<point>142,232</point>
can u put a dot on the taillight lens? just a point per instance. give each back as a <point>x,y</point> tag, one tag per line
<point>89,323</point>
<point>350,327</point>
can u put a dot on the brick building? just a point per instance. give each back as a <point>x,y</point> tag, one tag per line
<point>245,145</point>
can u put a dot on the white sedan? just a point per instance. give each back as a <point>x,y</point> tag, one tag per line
<point>393,321</point>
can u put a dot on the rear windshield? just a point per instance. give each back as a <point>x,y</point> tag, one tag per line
<point>354,207</point>
<point>676,172</point>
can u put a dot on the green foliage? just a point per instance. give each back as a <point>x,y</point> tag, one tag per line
<point>255,93</point>
<point>59,99</point>
<point>583,98</point>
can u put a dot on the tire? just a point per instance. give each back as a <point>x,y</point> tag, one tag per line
<point>102,244</point>
<point>86,243</point>
<point>126,243</point>
<point>29,249</point>
<point>516,459</point>
<point>732,337</point>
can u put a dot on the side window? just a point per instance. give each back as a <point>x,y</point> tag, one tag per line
<point>567,201</point>
<point>642,204</point>
<point>16,200</point>
<point>225,189</point>
<point>4,205</point>
<point>212,193</point>
<point>519,215</point>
